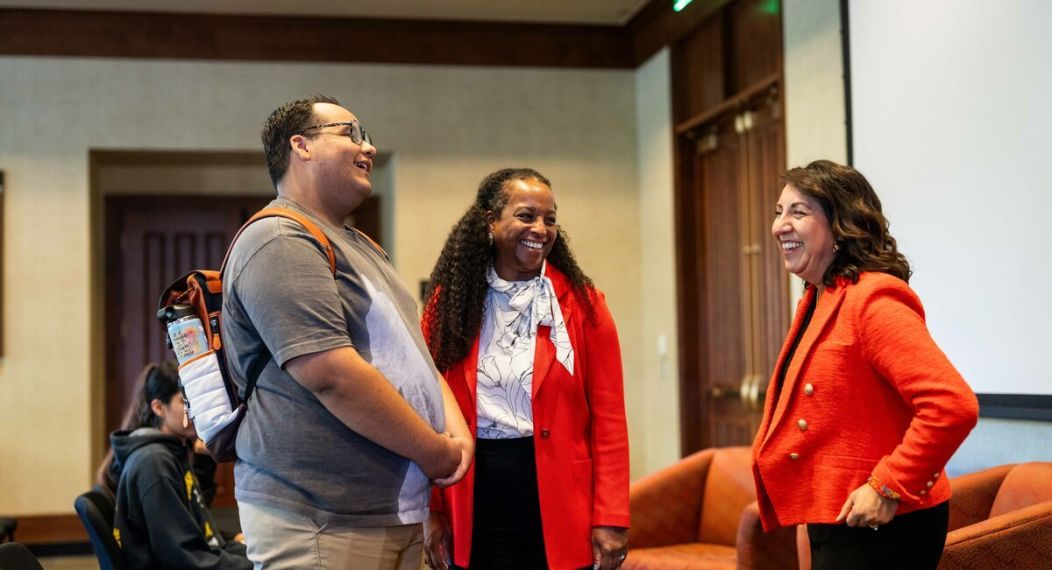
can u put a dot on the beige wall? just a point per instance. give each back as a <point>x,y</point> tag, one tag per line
<point>653,406</point>
<point>444,127</point>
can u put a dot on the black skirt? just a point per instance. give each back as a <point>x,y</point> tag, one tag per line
<point>507,532</point>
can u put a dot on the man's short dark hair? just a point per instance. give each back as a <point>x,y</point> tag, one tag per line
<point>286,121</point>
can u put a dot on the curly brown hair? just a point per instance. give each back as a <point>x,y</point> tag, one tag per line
<point>860,229</point>
<point>454,316</point>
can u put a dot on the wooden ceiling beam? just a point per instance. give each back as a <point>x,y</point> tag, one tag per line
<point>156,35</point>
<point>281,38</point>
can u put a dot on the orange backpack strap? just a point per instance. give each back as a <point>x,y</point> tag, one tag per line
<point>297,217</point>
<point>375,245</point>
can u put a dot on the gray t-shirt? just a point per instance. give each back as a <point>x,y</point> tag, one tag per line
<point>293,454</point>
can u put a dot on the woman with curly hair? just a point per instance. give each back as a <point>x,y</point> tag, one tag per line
<point>864,410</point>
<point>529,348</point>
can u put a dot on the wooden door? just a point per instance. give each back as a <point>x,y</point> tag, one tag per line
<point>718,183</point>
<point>735,311</point>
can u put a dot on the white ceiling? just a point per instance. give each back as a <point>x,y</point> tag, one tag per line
<point>611,12</point>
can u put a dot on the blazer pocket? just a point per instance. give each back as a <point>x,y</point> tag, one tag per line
<point>848,462</point>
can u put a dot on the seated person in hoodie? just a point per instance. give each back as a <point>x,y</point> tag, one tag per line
<point>161,519</point>
<point>204,467</point>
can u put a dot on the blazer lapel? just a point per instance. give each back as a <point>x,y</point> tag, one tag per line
<point>544,351</point>
<point>828,303</point>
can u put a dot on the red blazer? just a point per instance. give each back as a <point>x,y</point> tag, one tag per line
<point>580,436</point>
<point>867,393</point>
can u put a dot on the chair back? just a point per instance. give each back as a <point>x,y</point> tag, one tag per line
<point>96,510</point>
<point>1025,485</point>
<point>14,556</point>
<point>729,488</point>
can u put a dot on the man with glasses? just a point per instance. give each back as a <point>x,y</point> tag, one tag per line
<point>349,421</point>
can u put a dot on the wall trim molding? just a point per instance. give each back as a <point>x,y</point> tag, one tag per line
<point>50,529</point>
<point>150,35</point>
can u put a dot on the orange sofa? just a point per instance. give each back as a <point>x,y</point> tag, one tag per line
<point>701,513</point>
<point>1000,518</point>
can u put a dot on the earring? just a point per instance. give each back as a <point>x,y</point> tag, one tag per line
<point>491,238</point>
<point>836,247</point>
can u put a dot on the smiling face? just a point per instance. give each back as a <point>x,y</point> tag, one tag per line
<point>341,166</point>
<point>525,230</point>
<point>804,234</point>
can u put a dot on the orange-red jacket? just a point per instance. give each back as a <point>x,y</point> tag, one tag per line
<point>580,436</point>
<point>868,393</point>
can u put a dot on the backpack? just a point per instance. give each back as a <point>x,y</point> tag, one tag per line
<point>210,395</point>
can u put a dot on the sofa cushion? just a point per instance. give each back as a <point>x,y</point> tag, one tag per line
<point>1025,485</point>
<point>682,557</point>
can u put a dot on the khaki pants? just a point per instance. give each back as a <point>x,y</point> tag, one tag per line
<point>279,539</point>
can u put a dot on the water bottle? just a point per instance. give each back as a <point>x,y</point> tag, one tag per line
<point>186,333</point>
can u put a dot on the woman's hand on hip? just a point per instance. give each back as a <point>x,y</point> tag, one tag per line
<point>609,547</point>
<point>438,540</point>
<point>866,507</point>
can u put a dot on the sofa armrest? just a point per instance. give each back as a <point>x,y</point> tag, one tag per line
<point>974,494</point>
<point>762,550</point>
<point>1019,539</point>
<point>666,505</point>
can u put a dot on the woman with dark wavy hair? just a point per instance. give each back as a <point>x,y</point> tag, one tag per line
<point>529,348</point>
<point>864,410</point>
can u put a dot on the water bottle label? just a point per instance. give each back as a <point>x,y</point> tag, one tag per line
<point>188,338</point>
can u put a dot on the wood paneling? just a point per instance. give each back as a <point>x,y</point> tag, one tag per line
<point>687,212</point>
<point>767,142</point>
<point>737,49</point>
<point>699,77</point>
<point>153,35</point>
<point>282,38</point>
<point>656,25</point>
<point>50,529</point>
<point>755,42</point>
<point>722,351</point>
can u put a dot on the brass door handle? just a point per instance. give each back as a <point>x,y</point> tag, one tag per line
<point>721,392</point>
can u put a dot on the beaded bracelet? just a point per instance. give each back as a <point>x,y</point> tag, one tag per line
<point>882,490</point>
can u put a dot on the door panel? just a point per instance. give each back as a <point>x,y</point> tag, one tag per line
<point>719,177</point>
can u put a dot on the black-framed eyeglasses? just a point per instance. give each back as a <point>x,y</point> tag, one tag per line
<point>357,133</point>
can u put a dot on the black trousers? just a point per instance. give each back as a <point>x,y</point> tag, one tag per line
<point>914,540</point>
<point>507,525</point>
